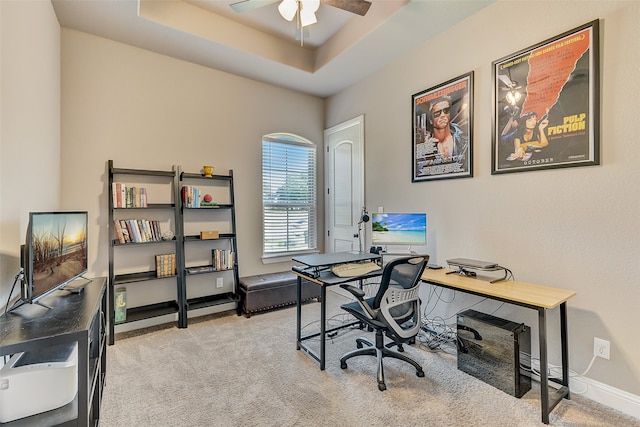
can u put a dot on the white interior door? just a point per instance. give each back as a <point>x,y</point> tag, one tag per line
<point>344,185</point>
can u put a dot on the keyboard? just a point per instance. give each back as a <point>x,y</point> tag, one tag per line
<point>354,269</point>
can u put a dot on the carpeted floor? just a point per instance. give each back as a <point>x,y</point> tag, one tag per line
<point>226,370</point>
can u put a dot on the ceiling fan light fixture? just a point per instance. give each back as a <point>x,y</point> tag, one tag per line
<point>308,12</point>
<point>288,9</point>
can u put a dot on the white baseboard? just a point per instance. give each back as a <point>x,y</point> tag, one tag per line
<point>612,397</point>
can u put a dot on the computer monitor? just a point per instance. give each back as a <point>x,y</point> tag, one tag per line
<point>54,253</point>
<point>399,229</point>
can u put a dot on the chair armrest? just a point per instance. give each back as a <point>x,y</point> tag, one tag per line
<point>357,292</point>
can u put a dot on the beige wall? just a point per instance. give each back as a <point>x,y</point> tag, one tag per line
<point>571,228</point>
<point>150,111</point>
<point>29,124</point>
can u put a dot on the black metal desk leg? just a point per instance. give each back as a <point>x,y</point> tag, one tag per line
<point>299,311</point>
<point>323,323</point>
<point>565,347</point>
<point>544,380</point>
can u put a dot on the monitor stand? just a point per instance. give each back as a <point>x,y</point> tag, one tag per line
<point>30,311</point>
<point>74,288</point>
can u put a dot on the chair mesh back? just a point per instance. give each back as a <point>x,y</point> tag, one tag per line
<point>409,302</point>
<point>403,272</point>
<point>399,295</point>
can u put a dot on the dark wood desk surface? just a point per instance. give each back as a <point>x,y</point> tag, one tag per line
<point>70,314</point>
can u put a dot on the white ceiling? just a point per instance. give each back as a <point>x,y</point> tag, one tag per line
<point>341,49</point>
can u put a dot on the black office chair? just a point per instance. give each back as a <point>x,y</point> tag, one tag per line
<point>394,311</point>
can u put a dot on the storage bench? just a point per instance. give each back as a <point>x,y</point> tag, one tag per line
<point>266,291</point>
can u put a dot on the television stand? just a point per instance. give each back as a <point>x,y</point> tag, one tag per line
<point>81,319</point>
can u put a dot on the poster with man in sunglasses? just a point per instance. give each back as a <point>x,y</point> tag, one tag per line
<point>442,138</point>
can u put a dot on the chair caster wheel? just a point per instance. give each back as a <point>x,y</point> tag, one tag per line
<point>420,374</point>
<point>382,387</point>
<point>343,365</point>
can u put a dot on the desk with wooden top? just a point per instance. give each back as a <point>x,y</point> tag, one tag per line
<point>536,297</point>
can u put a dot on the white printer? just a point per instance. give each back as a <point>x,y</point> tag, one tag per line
<point>33,383</point>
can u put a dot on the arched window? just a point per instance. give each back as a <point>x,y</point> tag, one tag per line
<point>289,200</point>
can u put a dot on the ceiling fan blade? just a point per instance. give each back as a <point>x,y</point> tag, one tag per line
<point>245,5</point>
<point>359,7</point>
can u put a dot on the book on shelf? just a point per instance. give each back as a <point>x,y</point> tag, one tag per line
<point>191,196</point>
<point>165,265</point>
<point>118,231</point>
<point>128,196</point>
<point>132,237</point>
<point>222,259</point>
<point>117,196</point>
<point>155,225</point>
<point>138,230</point>
<point>124,230</point>
<point>120,298</point>
<point>133,224</point>
<point>144,230</point>
<point>123,196</point>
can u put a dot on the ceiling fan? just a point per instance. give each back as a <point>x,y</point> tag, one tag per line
<point>303,10</point>
<point>359,7</point>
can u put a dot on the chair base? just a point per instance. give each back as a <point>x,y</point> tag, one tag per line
<point>380,351</point>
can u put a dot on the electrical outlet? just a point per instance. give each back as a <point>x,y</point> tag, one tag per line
<point>601,348</point>
<point>219,282</point>
<point>380,209</point>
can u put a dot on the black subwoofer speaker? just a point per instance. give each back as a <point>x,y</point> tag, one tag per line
<point>493,350</point>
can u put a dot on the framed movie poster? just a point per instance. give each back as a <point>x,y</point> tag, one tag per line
<point>546,104</point>
<point>442,143</point>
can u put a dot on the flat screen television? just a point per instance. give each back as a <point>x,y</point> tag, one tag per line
<point>399,229</point>
<point>54,253</point>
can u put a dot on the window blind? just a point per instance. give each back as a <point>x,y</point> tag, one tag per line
<point>288,196</point>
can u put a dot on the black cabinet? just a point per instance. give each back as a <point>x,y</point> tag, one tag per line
<point>207,236</point>
<point>142,205</point>
<point>72,318</point>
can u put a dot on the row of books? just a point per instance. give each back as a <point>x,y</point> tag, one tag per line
<point>165,265</point>
<point>128,196</point>
<point>191,196</point>
<point>223,259</point>
<point>137,230</point>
